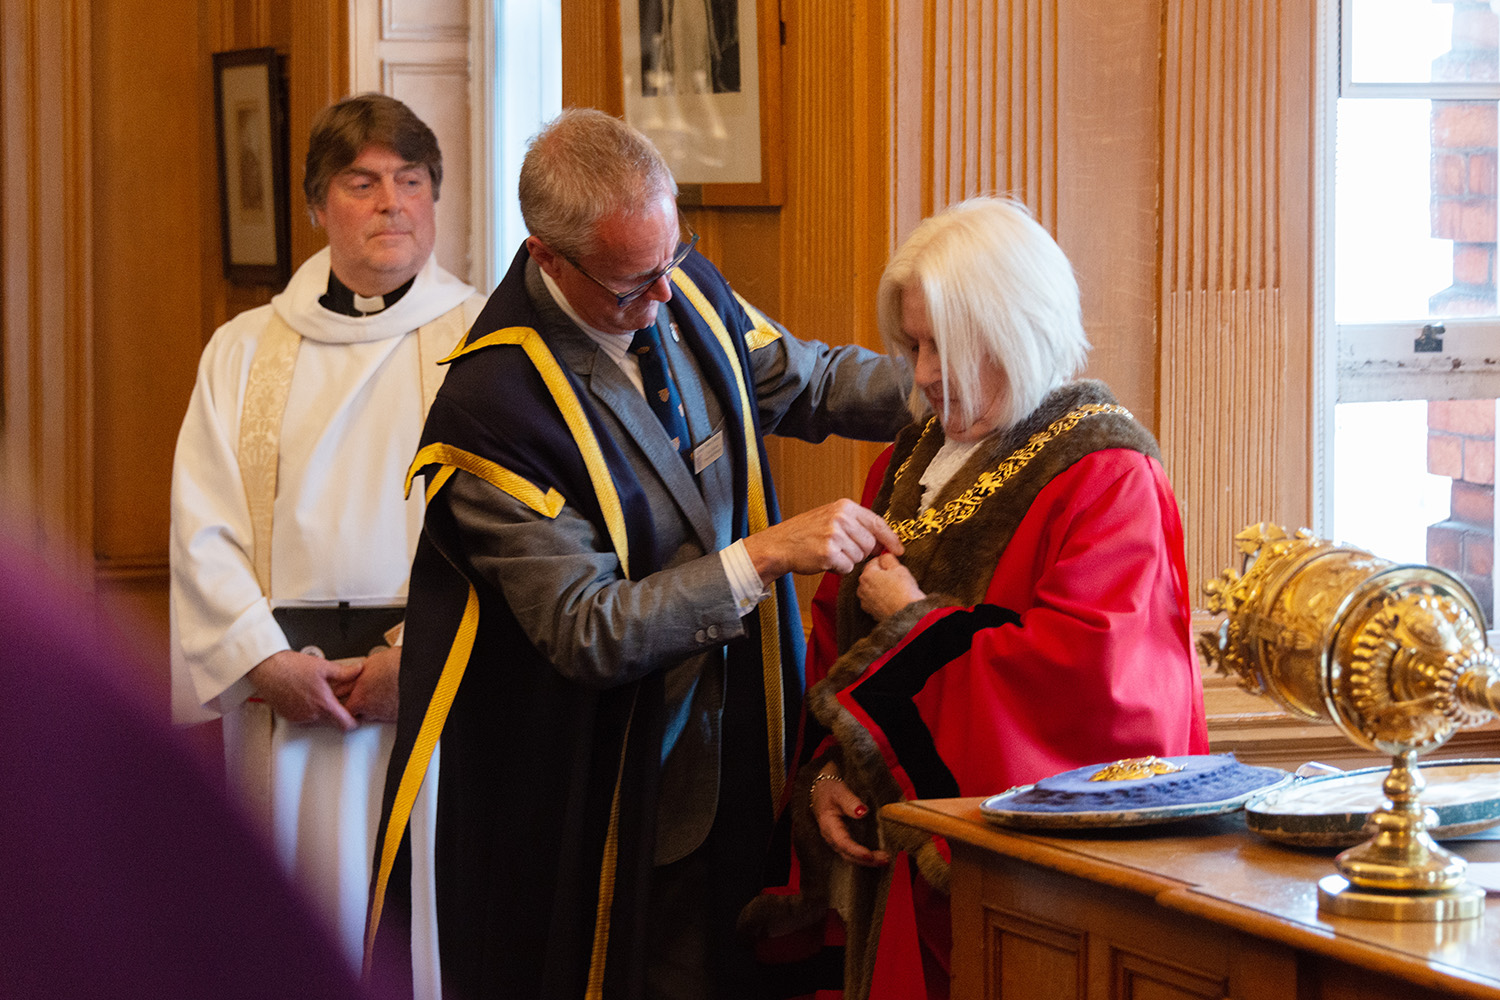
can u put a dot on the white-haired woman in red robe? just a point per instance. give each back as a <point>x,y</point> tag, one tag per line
<point>1038,620</point>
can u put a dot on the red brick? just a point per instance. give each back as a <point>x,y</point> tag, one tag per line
<point>1483,589</point>
<point>1450,303</point>
<point>1450,175</point>
<point>1445,455</point>
<point>1481,173</point>
<point>1473,505</point>
<point>1445,545</point>
<point>1447,218</point>
<point>1479,461</point>
<point>1476,221</point>
<point>1479,553</point>
<point>1473,263</point>
<point>1470,417</point>
<point>1463,125</point>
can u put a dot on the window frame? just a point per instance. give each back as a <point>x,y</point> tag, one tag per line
<point>1379,361</point>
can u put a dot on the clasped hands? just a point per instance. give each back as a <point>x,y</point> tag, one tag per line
<point>341,693</point>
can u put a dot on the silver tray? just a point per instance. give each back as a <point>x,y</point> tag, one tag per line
<point>1331,810</point>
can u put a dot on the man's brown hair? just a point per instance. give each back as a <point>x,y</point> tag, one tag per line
<point>342,130</point>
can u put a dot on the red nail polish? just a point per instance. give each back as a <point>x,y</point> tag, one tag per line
<point>860,811</point>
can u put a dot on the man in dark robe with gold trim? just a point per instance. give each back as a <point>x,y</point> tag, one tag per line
<point>601,629</point>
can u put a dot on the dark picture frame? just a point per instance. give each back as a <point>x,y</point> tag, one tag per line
<point>250,131</point>
<point>702,78</point>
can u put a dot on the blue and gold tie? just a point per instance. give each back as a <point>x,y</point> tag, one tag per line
<point>661,392</point>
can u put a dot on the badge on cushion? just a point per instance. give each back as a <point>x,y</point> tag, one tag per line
<point>1133,792</point>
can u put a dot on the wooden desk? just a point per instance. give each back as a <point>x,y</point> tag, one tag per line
<point>1202,908</point>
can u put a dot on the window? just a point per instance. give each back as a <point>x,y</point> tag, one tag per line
<point>1417,327</point>
<point>525,92</point>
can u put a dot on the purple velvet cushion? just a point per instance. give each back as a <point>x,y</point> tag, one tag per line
<point>1203,778</point>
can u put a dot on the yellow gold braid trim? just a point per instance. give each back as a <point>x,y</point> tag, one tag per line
<point>607,875</point>
<point>577,422</point>
<point>506,335</point>
<point>768,613</point>
<point>963,507</point>
<point>415,771</point>
<point>764,332</point>
<point>548,503</point>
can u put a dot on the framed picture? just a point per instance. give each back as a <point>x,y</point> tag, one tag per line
<point>251,131</point>
<point>703,80</point>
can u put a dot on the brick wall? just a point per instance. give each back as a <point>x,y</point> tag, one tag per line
<point>1461,445</point>
<point>1461,433</point>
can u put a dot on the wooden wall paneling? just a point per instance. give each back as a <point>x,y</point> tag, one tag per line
<point>592,74</point>
<point>837,228</point>
<point>151,279</point>
<point>418,52</point>
<point>992,72</point>
<point>317,43</point>
<point>1233,394</point>
<point>1109,166</point>
<point>46,303</point>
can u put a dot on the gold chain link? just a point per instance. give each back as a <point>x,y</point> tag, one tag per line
<point>961,508</point>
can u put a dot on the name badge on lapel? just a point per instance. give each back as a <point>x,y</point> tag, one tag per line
<point>708,452</point>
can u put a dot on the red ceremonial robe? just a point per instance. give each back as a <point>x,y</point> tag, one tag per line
<point>1055,635</point>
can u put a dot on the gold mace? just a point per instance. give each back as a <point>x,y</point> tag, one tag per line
<point>1394,655</point>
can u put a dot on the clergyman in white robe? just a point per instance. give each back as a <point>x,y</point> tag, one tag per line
<point>341,530</point>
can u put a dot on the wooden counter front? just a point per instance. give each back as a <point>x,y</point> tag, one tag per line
<point>1201,908</point>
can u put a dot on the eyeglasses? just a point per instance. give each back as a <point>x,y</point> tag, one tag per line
<point>623,299</point>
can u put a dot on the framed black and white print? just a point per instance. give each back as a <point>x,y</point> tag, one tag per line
<point>251,132</point>
<point>702,78</point>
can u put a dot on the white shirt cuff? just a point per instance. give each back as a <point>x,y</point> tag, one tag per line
<point>744,581</point>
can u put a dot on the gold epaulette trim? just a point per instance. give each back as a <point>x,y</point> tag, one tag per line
<point>530,341</point>
<point>548,504</point>
<point>764,331</point>
<point>507,335</point>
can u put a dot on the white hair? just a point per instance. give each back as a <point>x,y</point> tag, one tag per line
<point>998,290</point>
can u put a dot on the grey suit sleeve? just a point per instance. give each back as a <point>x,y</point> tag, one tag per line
<point>566,588</point>
<point>809,390</point>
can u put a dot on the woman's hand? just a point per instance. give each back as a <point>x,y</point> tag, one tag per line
<point>886,587</point>
<point>832,802</point>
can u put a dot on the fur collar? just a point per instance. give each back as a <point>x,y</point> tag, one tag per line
<point>956,561</point>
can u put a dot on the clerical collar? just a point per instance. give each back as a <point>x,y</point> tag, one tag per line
<point>340,298</point>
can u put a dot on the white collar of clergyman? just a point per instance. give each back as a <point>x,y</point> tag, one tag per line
<point>368,304</point>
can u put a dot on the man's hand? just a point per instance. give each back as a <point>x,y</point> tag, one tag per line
<point>831,803</point>
<point>302,688</point>
<point>834,537</point>
<point>375,695</point>
<point>886,586</point>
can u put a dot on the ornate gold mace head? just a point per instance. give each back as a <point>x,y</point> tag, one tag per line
<point>1395,656</point>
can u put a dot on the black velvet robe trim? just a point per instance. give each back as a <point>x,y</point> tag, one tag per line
<point>886,697</point>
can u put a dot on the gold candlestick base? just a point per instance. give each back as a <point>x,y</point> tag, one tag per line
<point>1400,873</point>
<point>1337,896</point>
